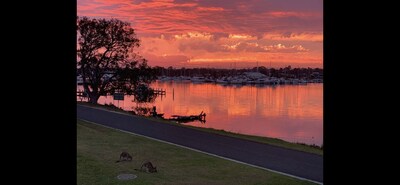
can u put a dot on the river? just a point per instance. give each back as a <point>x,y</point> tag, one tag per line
<point>290,112</point>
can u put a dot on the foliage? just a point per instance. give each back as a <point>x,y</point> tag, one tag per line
<point>112,106</point>
<point>106,59</point>
<point>286,72</point>
<point>144,94</point>
<point>142,111</point>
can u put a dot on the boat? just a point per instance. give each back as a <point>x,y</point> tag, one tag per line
<point>201,117</point>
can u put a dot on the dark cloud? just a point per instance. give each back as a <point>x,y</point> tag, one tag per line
<point>219,35</point>
<point>286,34</point>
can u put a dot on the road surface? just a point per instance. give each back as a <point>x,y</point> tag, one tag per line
<point>296,163</point>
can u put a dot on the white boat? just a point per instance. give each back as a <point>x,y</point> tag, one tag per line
<point>79,80</point>
<point>198,79</point>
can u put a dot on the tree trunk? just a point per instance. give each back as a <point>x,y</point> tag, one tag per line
<point>93,98</point>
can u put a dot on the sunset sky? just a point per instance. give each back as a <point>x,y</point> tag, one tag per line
<point>220,33</point>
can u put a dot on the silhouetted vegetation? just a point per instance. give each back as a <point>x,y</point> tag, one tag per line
<point>312,145</point>
<point>144,94</point>
<point>106,62</point>
<point>142,111</point>
<point>286,72</point>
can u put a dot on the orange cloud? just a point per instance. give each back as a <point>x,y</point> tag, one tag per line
<point>242,37</point>
<point>289,36</point>
<point>166,60</point>
<point>255,47</point>
<point>284,49</point>
<point>176,31</point>
<point>194,35</point>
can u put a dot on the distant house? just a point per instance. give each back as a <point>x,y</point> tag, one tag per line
<point>317,75</point>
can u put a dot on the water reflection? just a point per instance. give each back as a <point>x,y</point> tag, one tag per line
<point>290,112</point>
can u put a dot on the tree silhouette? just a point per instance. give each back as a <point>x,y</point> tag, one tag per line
<point>106,59</point>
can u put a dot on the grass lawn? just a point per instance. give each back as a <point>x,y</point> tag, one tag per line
<point>98,148</point>
<point>271,141</point>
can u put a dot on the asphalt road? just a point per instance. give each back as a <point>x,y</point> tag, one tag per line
<point>297,163</point>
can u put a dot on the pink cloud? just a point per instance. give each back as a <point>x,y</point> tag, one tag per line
<point>255,47</point>
<point>281,14</point>
<point>291,36</point>
<point>212,9</point>
<point>172,31</point>
<point>166,60</point>
<point>183,16</point>
<point>284,49</point>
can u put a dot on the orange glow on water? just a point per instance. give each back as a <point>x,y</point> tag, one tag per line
<point>290,112</point>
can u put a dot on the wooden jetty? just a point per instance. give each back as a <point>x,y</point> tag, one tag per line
<point>81,94</point>
<point>159,91</point>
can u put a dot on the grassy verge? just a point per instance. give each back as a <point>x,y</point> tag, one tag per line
<point>266,140</point>
<point>98,148</point>
<point>106,107</point>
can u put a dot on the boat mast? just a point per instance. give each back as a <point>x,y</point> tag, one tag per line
<point>257,66</point>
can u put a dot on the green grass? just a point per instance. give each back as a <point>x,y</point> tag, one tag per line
<point>98,148</point>
<point>266,140</point>
<point>103,107</point>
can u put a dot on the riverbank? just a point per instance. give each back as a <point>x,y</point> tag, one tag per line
<point>266,140</point>
<point>98,148</point>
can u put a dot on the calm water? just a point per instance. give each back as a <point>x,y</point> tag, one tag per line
<point>289,112</point>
